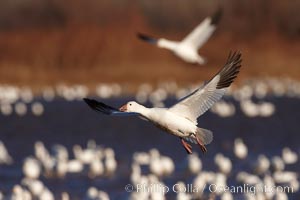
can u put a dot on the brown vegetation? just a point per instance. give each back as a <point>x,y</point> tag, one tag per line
<point>94,41</point>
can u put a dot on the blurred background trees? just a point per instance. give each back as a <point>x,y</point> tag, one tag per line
<point>90,41</point>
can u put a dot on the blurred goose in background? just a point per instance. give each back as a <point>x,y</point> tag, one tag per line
<point>285,176</point>
<point>266,109</point>
<point>199,182</point>
<point>155,165</point>
<point>42,154</point>
<point>20,109</point>
<point>65,196</point>
<point>262,164</point>
<point>85,156</point>
<point>180,187</point>
<point>224,164</point>
<point>295,185</point>
<point>281,196</point>
<point>60,152</point>
<point>46,195</point>
<point>31,168</point>
<point>220,180</point>
<point>181,119</point>
<point>37,109</point>
<point>226,196</point>
<point>95,194</point>
<point>6,109</point>
<point>36,187</point>
<point>96,167</point>
<point>48,94</point>
<point>223,109</point>
<point>136,173</point>
<point>110,162</point>
<point>5,158</point>
<point>141,158</point>
<point>268,182</point>
<point>194,163</point>
<point>168,165</point>
<point>247,178</point>
<point>277,163</point>
<point>19,193</point>
<point>240,149</point>
<point>74,166</point>
<point>288,156</point>
<point>187,49</point>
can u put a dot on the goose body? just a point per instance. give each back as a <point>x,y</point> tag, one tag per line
<point>181,118</point>
<point>169,122</point>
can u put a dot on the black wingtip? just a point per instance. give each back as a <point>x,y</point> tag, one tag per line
<point>99,106</point>
<point>234,57</point>
<point>217,16</point>
<point>146,38</point>
<point>86,99</point>
<point>92,103</point>
<point>230,70</point>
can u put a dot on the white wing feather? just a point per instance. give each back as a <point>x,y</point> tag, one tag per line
<point>198,37</point>
<point>203,31</point>
<point>199,101</point>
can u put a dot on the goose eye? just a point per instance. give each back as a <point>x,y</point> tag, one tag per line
<point>130,104</point>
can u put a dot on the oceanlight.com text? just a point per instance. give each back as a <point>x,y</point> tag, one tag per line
<point>211,188</point>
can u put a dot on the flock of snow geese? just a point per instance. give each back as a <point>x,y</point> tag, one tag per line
<point>250,95</point>
<point>148,169</point>
<point>93,161</point>
<point>179,120</point>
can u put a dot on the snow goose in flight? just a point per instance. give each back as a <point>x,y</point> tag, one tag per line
<point>181,119</point>
<point>187,49</point>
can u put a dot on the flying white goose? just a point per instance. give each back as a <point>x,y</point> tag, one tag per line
<point>187,49</point>
<point>181,119</point>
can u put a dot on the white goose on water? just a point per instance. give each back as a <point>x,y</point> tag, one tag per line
<point>181,119</point>
<point>5,157</point>
<point>187,49</point>
<point>288,156</point>
<point>110,162</point>
<point>240,149</point>
<point>262,164</point>
<point>194,163</point>
<point>31,168</point>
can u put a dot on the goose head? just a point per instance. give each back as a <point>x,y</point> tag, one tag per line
<point>131,106</point>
